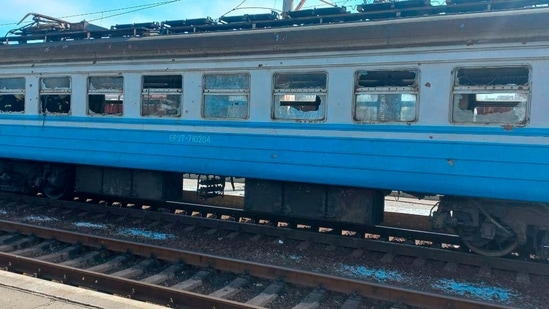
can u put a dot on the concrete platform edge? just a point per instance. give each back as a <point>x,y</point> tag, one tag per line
<point>80,297</point>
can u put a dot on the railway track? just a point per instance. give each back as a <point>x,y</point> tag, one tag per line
<point>265,236</point>
<point>150,273</point>
<point>404,242</point>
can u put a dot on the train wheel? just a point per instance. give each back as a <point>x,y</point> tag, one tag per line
<point>502,240</point>
<point>57,184</point>
<point>493,248</point>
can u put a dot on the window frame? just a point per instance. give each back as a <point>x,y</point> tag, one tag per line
<point>60,92</point>
<point>14,93</point>
<point>320,93</point>
<point>473,90</point>
<point>117,108</point>
<point>161,91</point>
<point>412,89</point>
<point>236,92</point>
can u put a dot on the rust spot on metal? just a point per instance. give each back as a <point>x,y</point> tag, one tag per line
<point>508,127</point>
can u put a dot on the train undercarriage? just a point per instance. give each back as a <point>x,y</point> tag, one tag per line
<point>54,181</point>
<point>494,227</point>
<point>487,227</point>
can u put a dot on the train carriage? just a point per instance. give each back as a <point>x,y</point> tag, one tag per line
<point>321,119</point>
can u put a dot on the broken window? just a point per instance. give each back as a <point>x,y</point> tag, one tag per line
<point>386,96</point>
<point>226,96</point>
<point>300,96</point>
<point>161,95</point>
<point>12,95</point>
<point>491,95</point>
<point>105,95</point>
<point>55,95</point>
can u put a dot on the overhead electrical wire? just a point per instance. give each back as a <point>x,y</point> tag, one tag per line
<point>235,8</point>
<point>136,9</point>
<point>126,10</point>
<point>141,7</point>
<point>132,8</point>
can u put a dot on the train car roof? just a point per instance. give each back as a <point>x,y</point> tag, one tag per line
<point>513,26</point>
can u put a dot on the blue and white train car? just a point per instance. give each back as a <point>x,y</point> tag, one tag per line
<point>321,119</point>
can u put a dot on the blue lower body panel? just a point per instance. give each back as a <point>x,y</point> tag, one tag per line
<point>477,169</point>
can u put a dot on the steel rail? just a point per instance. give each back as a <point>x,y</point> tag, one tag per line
<point>132,288</point>
<point>508,264</point>
<point>115,285</point>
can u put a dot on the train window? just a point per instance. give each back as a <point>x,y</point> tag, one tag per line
<point>226,96</point>
<point>300,96</point>
<point>12,95</point>
<point>386,96</point>
<point>161,95</point>
<point>55,95</point>
<point>491,95</point>
<point>105,95</point>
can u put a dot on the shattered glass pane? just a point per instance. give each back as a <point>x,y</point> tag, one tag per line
<point>12,103</point>
<point>226,106</point>
<point>55,104</point>
<point>105,95</point>
<point>158,104</point>
<point>492,76</point>
<point>491,95</point>
<point>161,95</point>
<point>386,96</point>
<point>300,107</point>
<point>16,83</point>
<point>226,96</point>
<point>227,81</point>
<point>300,96</point>
<point>399,107</point>
<point>106,82</point>
<point>55,83</point>
<point>300,80</point>
<point>468,108</point>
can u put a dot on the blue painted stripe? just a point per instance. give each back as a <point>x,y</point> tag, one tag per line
<point>413,156</point>
<point>463,168</point>
<point>530,190</point>
<point>134,141</point>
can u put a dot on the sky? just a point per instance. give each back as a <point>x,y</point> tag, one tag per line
<point>106,13</point>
